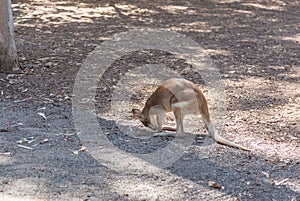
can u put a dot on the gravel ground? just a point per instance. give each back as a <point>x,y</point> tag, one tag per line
<point>254,46</point>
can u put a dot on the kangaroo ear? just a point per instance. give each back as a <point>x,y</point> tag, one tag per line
<point>137,114</point>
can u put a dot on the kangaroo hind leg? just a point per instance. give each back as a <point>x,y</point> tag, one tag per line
<point>177,110</point>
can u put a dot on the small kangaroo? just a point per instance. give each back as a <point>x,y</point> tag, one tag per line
<point>181,97</point>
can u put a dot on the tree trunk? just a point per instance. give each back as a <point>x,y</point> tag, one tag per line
<point>8,52</point>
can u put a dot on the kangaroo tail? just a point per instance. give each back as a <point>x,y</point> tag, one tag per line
<point>214,134</point>
<point>167,128</point>
<point>222,140</point>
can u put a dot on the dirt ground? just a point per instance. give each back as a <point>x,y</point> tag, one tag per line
<point>255,47</point>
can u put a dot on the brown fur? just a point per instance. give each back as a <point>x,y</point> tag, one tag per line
<point>181,97</point>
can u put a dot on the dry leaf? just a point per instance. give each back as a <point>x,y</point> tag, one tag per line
<point>83,149</point>
<point>42,115</point>
<point>214,185</point>
<point>75,152</point>
<point>28,140</point>
<point>3,130</point>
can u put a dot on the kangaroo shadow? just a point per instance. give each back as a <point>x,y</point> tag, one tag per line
<point>144,141</point>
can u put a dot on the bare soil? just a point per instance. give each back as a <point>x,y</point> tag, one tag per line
<point>255,46</point>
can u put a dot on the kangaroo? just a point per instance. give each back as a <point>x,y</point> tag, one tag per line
<point>181,97</point>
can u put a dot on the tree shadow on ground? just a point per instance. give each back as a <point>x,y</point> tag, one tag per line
<point>245,39</point>
<point>244,175</point>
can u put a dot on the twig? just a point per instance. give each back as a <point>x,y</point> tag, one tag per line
<point>25,147</point>
<point>20,101</point>
<point>277,183</point>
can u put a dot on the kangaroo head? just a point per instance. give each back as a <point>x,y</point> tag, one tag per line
<point>139,115</point>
